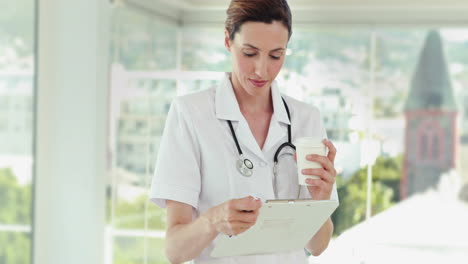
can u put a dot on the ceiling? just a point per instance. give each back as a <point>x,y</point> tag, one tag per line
<point>400,12</point>
<point>295,4</point>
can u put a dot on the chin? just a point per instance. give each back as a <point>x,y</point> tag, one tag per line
<point>253,90</point>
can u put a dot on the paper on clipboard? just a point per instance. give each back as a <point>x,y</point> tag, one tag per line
<point>282,225</point>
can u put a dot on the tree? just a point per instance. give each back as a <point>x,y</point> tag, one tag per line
<point>386,174</point>
<point>15,209</point>
<point>131,215</point>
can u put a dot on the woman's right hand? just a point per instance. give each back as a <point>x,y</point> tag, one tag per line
<point>234,216</point>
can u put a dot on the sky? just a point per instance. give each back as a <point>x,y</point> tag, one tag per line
<point>456,35</point>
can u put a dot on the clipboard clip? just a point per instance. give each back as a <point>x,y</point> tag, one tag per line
<point>289,201</point>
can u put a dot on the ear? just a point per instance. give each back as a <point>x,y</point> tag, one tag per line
<point>227,41</point>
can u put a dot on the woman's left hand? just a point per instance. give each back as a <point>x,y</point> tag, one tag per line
<point>321,189</point>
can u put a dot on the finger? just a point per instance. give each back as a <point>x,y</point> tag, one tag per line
<point>317,183</point>
<point>235,228</point>
<point>247,216</point>
<point>331,150</point>
<point>323,174</point>
<point>324,161</point>
<point>248,203</point>
<point>295,156</point>
<point>238,228</point>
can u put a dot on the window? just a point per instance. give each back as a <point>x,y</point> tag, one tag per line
<point>17,52</point>
<point>430,143</point>
<point>361,79</point>
<point>142,47</point>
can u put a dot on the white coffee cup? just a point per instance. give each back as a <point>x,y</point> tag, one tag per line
<point>307,146</point>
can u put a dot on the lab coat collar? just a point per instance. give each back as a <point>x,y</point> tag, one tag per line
<point>227,107</point>
<point>277,131</point>
<point>279,110</point>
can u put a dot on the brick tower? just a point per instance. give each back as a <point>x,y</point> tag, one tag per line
<point>430,113</point>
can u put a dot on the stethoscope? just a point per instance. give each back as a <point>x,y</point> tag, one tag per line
<point>245,166</point>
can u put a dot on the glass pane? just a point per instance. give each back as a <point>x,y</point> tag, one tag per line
<point>190,86</point>
<point>329,68</point>
<point>143,49</point>
<point>17,48</point>
<point>138,124</point>
<point>417,185</point>
<point>203,49</point>
<point>141,42</point>
<point>456,43</point>
<point>137,250</point>
<point>361,81</point>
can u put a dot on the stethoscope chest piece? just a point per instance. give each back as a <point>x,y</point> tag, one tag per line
<point>244,166</point>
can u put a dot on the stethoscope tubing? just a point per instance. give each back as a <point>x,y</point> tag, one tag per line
<point>245,166</point>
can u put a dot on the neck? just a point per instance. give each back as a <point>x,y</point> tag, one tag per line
<point>261,103</point>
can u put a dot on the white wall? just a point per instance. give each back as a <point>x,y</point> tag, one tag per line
<point>69,202</point>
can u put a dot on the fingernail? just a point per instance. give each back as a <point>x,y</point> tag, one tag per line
<point>310,156</point>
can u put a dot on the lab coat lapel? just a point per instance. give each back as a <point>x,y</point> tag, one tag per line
<point>248,140</point>
<point>227,108</point>
<point>226,104</point>
<point>278,131</point>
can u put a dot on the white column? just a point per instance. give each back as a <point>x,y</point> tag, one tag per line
<point>71,128</point>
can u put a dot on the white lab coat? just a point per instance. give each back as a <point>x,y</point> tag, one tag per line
<point>197,158</point>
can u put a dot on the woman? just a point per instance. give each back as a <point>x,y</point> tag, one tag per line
<point>196,174</point>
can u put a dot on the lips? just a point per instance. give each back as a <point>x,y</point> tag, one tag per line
<point>258,83</point>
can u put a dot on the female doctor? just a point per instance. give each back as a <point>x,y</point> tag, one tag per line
<point>216,161</point>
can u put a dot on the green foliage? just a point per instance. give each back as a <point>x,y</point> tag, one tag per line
<point>132,251</point>
<point>386,174</point>
<point>15,209</point>
<point>16,200</point>
<point>131,215</point>
<point>15,248</point>
<point>385,170</point>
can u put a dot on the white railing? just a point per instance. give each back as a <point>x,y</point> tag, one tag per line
<point>15,228</point>
<point>136,233</point>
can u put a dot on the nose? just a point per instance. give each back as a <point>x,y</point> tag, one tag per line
<point>261,68</point>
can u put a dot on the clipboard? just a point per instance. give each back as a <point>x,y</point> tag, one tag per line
<point>282,225</point>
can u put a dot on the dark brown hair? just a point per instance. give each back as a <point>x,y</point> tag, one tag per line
<point>267,11</point>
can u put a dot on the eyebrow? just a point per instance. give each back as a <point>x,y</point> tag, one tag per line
<point>253,47</point>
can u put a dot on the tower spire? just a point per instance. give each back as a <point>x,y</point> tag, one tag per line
<point>431,88</point>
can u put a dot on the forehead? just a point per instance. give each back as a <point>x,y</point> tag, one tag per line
<point>263,35</point>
